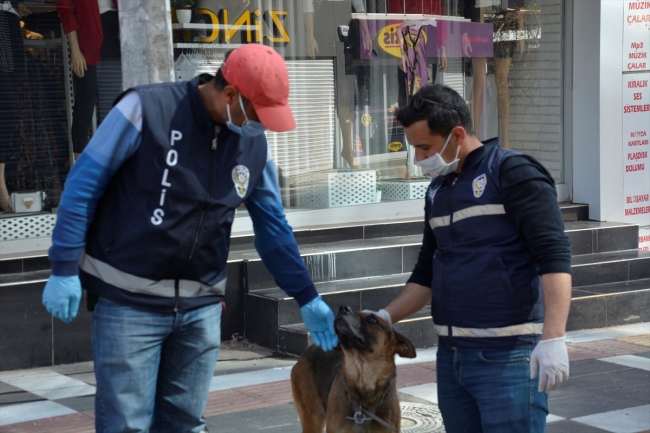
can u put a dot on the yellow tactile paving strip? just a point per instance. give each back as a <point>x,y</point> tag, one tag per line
<point>640,340</point>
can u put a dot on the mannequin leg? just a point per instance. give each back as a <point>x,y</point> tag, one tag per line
<point>84,106</point>
<point>501,71</point>
<point>478,83</point>
<point>5,201</point>
<point>345,121</point>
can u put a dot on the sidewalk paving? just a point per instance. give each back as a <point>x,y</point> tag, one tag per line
<point>609,390</point>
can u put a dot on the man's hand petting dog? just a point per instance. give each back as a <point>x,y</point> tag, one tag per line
<point>351,389</point>
<point>319,320</point>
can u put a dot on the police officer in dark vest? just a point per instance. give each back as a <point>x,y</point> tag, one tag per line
<point>144,225</point>
<point>495,264</point>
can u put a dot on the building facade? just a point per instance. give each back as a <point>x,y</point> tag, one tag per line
<point>533,73</point>
<point>563,81</point>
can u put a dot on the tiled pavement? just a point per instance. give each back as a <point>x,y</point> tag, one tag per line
<point>609,390</point>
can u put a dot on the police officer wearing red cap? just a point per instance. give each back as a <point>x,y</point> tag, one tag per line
<point>144,226</point>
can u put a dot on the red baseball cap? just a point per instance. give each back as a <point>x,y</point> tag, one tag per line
<point>258,72</point>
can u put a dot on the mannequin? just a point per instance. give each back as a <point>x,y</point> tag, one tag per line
<point>413,71</point>
<point>420,7</point>
<point>503,20</point>
<point>346,85</point>
<point>92,27</point>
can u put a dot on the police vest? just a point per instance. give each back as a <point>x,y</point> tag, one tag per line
<point>160,235</point>
<point>486,287</point>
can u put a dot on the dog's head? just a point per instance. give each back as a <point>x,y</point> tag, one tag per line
<point>368,334</point>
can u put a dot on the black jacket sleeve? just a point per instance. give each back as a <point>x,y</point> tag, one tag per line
<point>423,272</point>
<point>530,200</point>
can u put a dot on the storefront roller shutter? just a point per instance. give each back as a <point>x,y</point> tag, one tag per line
<point>309,147</point>
<point>454,77</point>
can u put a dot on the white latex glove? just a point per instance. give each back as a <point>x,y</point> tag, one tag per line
<point>381,313</point>
<point>552,358</point>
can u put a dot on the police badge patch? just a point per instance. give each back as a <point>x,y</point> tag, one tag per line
<point>479,185</point>
<point>240,177</point>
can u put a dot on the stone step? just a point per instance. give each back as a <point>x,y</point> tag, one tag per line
<point>574,211</point>
<point>614,267</point>
<point>17,264</point>
<point>589,237</point>
<point>611,304</point>
<point>357,258</point>
<point>596,306</point>
<point>272,305</point>
<point>571,212</point>
<point>342,260</point>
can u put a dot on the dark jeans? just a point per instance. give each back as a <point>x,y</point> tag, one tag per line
<point>153,369</point>
<point>489,392</point>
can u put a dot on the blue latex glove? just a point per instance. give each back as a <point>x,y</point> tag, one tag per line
<point>319,319</point>
<point>61,296</point>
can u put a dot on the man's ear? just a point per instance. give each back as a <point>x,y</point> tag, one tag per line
<point>404,347</point>
<point>229,94</point>
<point>459,133</point>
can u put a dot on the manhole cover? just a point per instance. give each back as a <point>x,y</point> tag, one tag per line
<point>421,418</point>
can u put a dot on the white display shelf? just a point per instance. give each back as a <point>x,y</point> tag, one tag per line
<point>16,226</point>
<point>334,188</point>
<point>402,189</point>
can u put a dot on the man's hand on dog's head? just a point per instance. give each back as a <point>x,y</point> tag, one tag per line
<point>382,314</point>
<point>319,320</point>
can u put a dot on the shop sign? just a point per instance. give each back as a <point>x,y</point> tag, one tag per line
<point>389,37</point>
<point>644,238</point>
<point>454,35</point>
<point>249,23</point>
<point>636,36</point>
<point>636,139</point>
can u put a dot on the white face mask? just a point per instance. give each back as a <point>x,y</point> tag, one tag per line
<point>435,165</point>
<point>250,128</point>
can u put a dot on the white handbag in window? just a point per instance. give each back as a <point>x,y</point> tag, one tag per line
<point>27,201</point>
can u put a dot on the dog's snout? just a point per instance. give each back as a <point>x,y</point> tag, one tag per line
<point>344,309</point>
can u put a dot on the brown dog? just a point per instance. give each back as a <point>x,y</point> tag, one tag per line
<point>352,389</point>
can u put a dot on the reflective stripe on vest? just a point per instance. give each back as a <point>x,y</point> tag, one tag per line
<point>442,221</point>
<point>134,284</point>
<point>479,210</point>
<point>472,211</point>
<point>508,331</point>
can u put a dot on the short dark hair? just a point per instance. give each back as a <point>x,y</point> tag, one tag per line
<point>219,80</point>
<point>442,108</point>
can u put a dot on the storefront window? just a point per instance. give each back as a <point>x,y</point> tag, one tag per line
<point>353,63</point>
<point>59,74</point>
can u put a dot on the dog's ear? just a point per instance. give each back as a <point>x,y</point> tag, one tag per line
<point>404,347</point>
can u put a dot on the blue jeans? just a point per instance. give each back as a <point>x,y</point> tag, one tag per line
<point>153,370</point>
<point>489,392</point>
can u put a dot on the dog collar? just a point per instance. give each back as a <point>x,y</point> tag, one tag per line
<point>361,416</point>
